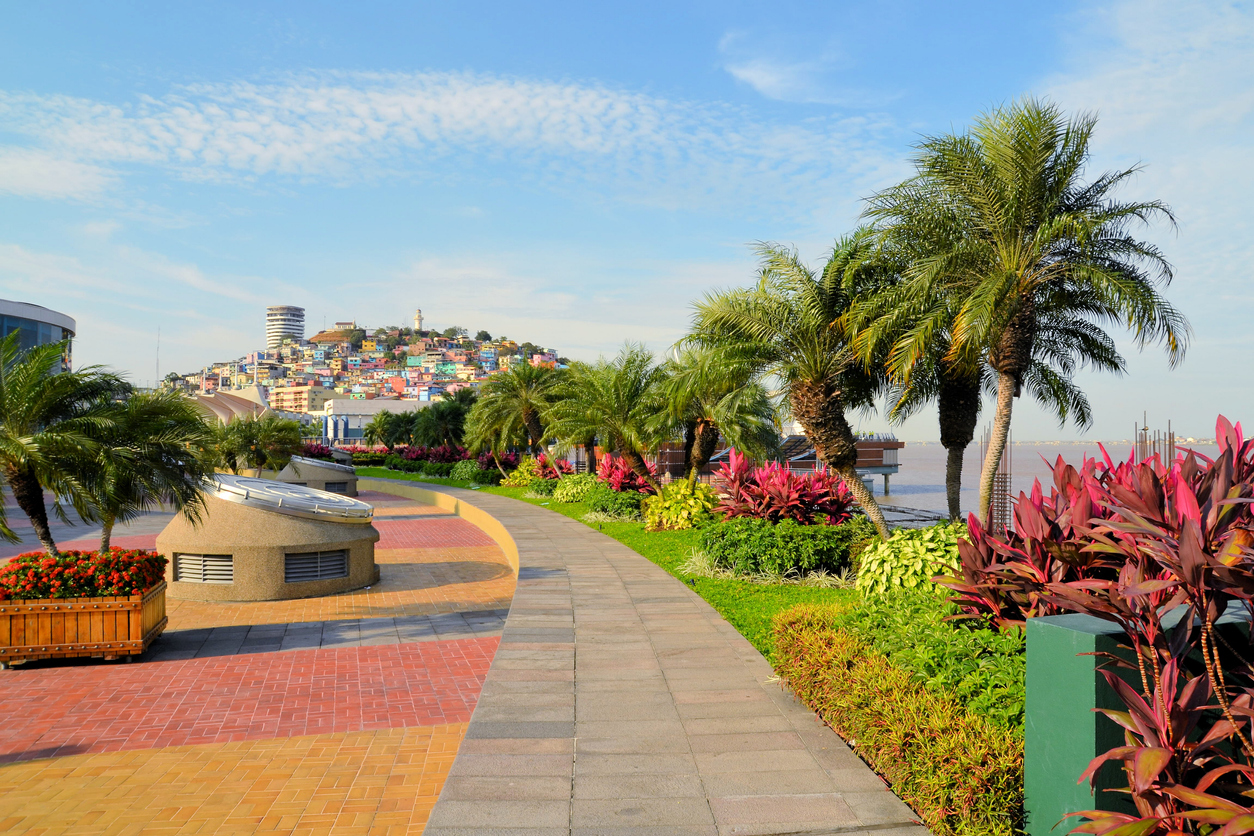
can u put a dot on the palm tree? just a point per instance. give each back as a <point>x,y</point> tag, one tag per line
<point>617,401</point>
<point>783,328</point>
<point>444,422</point>
<point>517,400</point>
<point>265,443</point>
<point>49,420</point>
<point>1040,259</point>
<point>150,454</point>
<point>709,398</point>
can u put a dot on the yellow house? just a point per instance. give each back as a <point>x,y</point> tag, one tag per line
<point>370,345</point>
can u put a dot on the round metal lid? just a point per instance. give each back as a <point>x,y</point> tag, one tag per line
<point>301,461</point>
<point>292,500</point>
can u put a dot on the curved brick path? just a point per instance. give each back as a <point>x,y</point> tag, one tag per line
<point>620,703</point>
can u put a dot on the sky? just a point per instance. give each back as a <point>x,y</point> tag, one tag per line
<point>577,174</point>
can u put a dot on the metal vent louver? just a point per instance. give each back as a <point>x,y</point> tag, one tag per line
<point>336,487</point>
<point>204,568</point>
<point>315,566</point>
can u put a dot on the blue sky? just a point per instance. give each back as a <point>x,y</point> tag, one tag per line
<point>574,174</point>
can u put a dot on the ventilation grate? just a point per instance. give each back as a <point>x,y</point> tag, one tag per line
<point>336,487</point>
<point>315,566</point>
<point>204,568</point>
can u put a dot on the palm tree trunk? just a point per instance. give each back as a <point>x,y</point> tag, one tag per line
<point>821,413</point>
<point>106,534</point>
<point>997,443</point>
<point>535,432</point>
<point>29,495</point>
<point>958,410</point>
<point>636,462</point>
<point>690,441</point>
<point>705,440</point>
<point>590,450</point>
<point>497,462</point>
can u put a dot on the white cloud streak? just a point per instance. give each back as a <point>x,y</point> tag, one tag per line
<point>346,127</point>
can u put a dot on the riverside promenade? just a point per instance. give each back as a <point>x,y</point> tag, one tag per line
<point>619,703</point>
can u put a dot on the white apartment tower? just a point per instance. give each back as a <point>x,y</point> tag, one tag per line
<point>417,320</point>
<point>284,321</point>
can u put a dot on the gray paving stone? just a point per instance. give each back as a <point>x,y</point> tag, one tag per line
<point>521,728</point>
<point>501,813</point>
<point>639,812</point>
<point>638,786</point>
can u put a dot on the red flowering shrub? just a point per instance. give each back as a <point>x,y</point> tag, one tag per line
<point>314,450</point>
<point>552,470</point>
<point>615,472</point>
<point>357,448</point>
<point>444,454</point>
<point>772,492</point>
<point>509,461</point>
<point>77,574</point>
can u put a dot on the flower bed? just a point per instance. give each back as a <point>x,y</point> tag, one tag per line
<point>81,604</point>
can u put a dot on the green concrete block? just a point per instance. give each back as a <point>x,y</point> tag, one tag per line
<point>1062,732</point>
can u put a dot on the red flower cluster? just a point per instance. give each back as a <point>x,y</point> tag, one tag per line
<point>313,450</point>
<point>440,455</point>
<point>75,574</point>
<point>615,472</point>
<point>772,492</point>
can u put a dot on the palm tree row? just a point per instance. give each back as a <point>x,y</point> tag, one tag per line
<point>96,445</point>
<point>443,422</point>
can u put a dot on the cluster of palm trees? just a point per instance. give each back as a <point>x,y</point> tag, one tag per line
<point>627,405</point>
<point>95,444</point>
<point>996,269</point>
<point>442,423</point>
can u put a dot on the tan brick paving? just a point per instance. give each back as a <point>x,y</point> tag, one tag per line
<point>380,782</point>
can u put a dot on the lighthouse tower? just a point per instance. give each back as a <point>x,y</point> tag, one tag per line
<point>417,320</point>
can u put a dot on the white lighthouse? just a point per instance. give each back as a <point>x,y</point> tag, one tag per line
<point>417,320</point>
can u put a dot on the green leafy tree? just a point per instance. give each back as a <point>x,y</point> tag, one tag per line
<point>618,401</point>
<point>783,329</point>
<point>444,422</point>
<point>483,337</point>
<point>151,454</point>
<point>710,398</point>
<point>1040,258</point>
<point>514,402</point>
<point>49,422</point>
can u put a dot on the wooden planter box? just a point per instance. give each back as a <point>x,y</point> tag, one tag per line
<point>60,628</point>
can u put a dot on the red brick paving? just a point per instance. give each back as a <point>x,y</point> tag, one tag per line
<point>105,708</point>
<point>429,534</point>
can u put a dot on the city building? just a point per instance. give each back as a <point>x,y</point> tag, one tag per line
<point>284,322</point>
<point>304,399</point>
<point>344,419</point>
<point>36,325</point>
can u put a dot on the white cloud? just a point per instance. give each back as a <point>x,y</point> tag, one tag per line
<point>30,172</point>
<point>345,127</point>
<point>773,70</point>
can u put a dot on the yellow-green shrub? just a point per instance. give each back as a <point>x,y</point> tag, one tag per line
<point>522,475</point>
<point>679,506</point>
<point>909,559</point>
<point>960,773</point>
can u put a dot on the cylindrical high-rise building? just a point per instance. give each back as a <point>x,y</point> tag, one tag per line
<point>284,321</point>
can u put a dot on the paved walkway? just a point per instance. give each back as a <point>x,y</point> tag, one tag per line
<point>621,703</point>
<point>334,715</point>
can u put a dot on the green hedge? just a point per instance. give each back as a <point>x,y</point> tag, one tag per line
<point>981,668</point>
<point>961,773</point>
<point>542,487</point>
<point>749,546</point>
<point>910,559</point>
<point>367,459</point>
<point>574,488</point>
<point>622,504</point>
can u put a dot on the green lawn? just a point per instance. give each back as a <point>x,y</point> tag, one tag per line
<point>749,607</point>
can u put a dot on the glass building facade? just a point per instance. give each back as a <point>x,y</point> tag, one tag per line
<point>35,325</point>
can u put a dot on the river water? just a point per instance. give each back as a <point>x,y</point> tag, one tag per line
<point>921,481</point>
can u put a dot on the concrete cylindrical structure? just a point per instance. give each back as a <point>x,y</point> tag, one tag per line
<point>260,540</point>
<point>320,475</point>
<point>284,321</point>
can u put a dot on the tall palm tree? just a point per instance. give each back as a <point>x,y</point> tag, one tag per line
<point>710,398</point>
<point>617,401</point>
<point>783,328</point>
<point>517,399</point>
<point>444,422</point>
<point>151,454</point>
<point>49,422</point>
<point>1040,258</point>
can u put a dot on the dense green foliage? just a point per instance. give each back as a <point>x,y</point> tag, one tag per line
<point>979,667</point>
<point>466,470</point>
<point>750,546</point>
<point>542,487</point>
<point>574,488</point>
<point>909,559</point>
<point>621,504</point>
<point>680,505</point>
<point>961,773</point>
<point>521,477</point>
<point>368,459</point>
